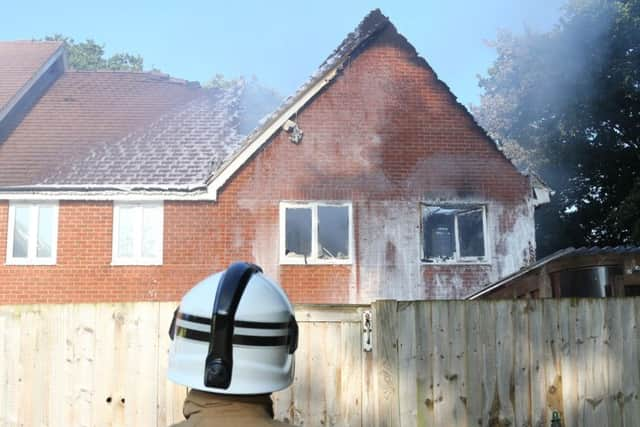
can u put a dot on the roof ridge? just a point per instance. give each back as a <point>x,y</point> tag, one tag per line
<point>151,73</point>
<point>372,23</point>
<point>32,41</point>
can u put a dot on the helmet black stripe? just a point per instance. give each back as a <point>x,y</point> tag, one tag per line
<point>237,323</point>
<point>250,340</point>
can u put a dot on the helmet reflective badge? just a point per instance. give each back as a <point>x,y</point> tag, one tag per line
<point>234,333</point>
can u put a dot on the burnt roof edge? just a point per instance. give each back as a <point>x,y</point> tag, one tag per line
<point>323,76</point>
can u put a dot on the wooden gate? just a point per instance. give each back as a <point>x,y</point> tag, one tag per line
<point>333,373</point>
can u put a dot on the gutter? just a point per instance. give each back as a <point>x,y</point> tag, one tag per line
<point>106,192</point>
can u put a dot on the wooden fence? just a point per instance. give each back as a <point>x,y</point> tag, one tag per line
<point>440,363</point>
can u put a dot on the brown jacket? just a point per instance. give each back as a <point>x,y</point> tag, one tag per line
<point>218,410</point>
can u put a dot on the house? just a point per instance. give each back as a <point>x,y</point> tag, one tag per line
<point>371,181</point>
<point>584,272</point>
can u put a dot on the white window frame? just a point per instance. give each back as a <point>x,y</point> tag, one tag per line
<point>314,259</point>
<point>486,260</point>
<point>137,259</point>
<point>31,258</point>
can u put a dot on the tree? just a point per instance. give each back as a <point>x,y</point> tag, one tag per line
<point>89,55</point>
<point>566,104</point>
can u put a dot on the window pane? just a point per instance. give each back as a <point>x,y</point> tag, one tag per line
<point>151,232</point>
<point>471,233</point>
<point>298,231</point>
<point>44,248</point>
<point>126,224</point>
<point>333,232</point>
<point>21,232</point>
<point>439,235</point>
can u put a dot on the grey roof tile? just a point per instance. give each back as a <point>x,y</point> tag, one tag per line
<point>178,149</point>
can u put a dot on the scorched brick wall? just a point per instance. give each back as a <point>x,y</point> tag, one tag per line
<point>385,135</point>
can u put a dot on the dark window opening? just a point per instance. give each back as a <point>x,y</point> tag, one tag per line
<point>453,233</point>
<point>471,231</point>
<point>439,233</point>
<point>333,232</point>
<point>298,231</point>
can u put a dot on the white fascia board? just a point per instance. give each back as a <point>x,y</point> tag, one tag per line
<point>543,195</point>
<point>102,195</point>
<point>236,162</point>
<point>24,89</point>
<point>542,192</point>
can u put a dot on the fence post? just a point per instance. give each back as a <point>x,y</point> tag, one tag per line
<point>385,363</point>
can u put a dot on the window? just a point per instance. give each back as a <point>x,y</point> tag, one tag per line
<point>137,233</point>
<point>33,233</point>
<point>315,233</point>
<point>453,234</point>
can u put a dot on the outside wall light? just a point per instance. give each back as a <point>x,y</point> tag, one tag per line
<point>295,133</point>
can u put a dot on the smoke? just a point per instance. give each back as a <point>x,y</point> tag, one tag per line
<point>540,78</point>
<point>257,101</point>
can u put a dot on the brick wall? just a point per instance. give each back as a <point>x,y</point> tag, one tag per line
<point>386,135</point>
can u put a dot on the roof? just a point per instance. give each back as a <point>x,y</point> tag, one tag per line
<point>90,126</point>
<point>561,254</point>
<point>178,149</point>
<point>20,62</point>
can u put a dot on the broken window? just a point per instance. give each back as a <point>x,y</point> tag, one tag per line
<point>298,229</point>
<point>333,232</point>
<point>453,233</point>
<point>316,232</point>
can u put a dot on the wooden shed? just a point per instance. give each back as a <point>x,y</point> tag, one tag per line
<point>583,272</point>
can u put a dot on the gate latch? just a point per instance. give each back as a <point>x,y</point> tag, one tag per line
<point>367,327</point>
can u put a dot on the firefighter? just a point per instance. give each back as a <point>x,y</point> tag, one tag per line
<point>233,341</point>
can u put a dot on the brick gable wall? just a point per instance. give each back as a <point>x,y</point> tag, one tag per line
<point>386,135</point>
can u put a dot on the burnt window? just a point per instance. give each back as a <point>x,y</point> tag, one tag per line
<point>333,232</point>
<point>298,232</point>
<point>315,232</point>
<point>453,233</point>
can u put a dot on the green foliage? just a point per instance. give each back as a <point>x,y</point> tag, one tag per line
<point>89,55</point>
<point>566,104</point>
<point>219,81</point>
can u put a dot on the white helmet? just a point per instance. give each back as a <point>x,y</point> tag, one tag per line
<point>254,334</point>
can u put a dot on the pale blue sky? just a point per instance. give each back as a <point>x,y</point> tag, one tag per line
<point>280,42</point>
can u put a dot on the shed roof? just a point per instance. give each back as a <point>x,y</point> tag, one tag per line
<point>561,254</point>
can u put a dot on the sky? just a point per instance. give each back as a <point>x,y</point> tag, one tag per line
<point>279,42</point>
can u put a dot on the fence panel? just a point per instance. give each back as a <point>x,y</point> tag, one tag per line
<point>500,363</point>
<point>478,363</point>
